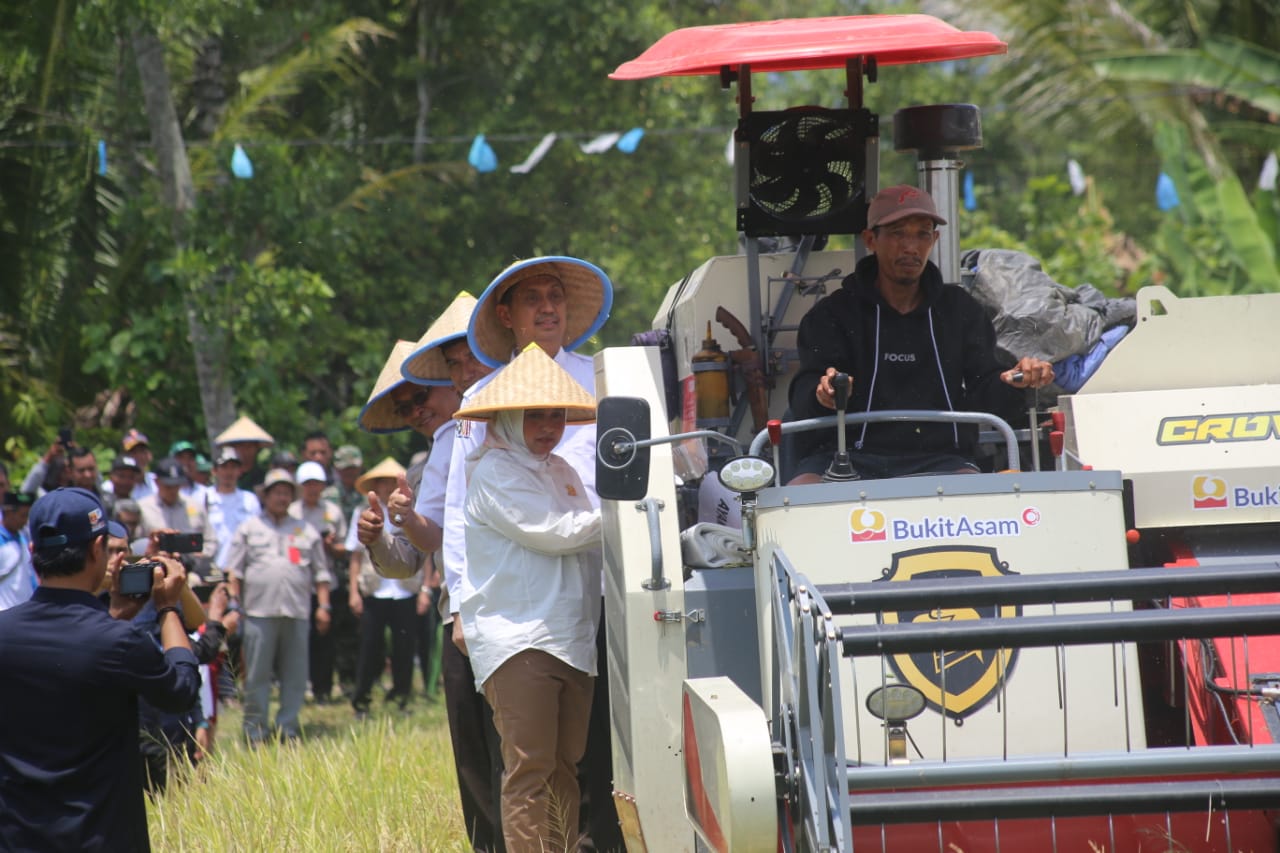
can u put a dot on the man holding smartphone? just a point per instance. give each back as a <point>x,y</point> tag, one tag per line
<point>70,772</point>
<point>167,511</point>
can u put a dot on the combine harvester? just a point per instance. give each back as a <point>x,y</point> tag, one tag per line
<point>1079,658</point>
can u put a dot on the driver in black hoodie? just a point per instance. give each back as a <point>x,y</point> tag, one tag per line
<point>908,342</point>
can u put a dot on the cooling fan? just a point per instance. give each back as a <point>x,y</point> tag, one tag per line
<point>807,171</point>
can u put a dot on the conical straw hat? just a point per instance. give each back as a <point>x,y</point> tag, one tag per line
<point>425,364</point>
<point>531,381</point>
<point>386,468</point>
<point>243,430</point>
<point>588,300</point>
<point>378,415</point>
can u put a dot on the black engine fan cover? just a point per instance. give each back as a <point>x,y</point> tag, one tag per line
<point>807,171</point>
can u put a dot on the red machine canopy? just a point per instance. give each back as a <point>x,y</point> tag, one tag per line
<point>800,44</point>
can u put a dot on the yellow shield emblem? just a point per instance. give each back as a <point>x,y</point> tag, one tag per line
<point>958,682</point>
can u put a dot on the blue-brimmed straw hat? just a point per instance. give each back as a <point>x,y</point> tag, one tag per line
<point>378,414</point>
<point>588,300</point>
<point>425,365</point>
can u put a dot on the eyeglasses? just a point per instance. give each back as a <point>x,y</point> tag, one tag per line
<point>406,407</point>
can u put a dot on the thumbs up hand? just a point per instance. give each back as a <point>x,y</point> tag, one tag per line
<point>400,503</point>
<point>369,528</point>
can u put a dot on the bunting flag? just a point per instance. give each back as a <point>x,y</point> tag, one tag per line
<point>630,140</point>
<point>601,143</point>
<point>1166,193</point>
<point>1267,177</point>
<point>102,156</point>
<point>481,156</point>
<point>1075,175</point>
<point>970,199</point>
<point>241,165</point>
<point>535,156</point>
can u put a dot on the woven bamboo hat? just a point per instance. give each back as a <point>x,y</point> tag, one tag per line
<point>588,300</point>
<point>386,468</point>
<point>243,430</point>
<point>379,415</point>
<point>425,363</point>
<point>531,381</point>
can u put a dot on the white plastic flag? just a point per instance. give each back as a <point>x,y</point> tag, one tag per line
<point>535,156</point>
<point>601,143</point>
<point>1076,176</point>
<point>1267,178</point>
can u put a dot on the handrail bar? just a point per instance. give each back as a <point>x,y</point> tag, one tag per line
<point>1146,763</point>
<point>916,415</point>
<point>1057,588</point>
<point>1066,629</point>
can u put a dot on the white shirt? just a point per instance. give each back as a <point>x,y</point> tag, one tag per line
<point>226,513</point>
<point>17,576</point>
<point>533,563</point>
<point>578,448</point>
<point>429,498</point>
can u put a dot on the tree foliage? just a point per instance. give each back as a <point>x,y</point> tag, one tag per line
<point>363,218</point>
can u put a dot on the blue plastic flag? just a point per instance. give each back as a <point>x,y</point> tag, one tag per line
<point>1166,193</point>
<point>627,144</point>
<point>241,165</point>
<point>102,156</point>
<point>481,157</point>
<point>970,200</point>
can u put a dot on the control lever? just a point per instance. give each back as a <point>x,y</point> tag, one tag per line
<point>775,439</point>
<point>841,468</point>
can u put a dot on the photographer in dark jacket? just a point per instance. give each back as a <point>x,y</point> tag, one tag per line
<point>71,672</point>
<point>907,341</point>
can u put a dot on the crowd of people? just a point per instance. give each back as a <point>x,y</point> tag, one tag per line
<point>497,525</point>
<point>494,530</point>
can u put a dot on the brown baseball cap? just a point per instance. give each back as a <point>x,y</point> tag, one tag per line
<point>899,202</point>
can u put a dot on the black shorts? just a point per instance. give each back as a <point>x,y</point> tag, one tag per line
<point>882,466</point>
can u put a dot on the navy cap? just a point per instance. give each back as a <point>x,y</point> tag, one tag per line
<point>170,473</point>
<point>70,516</point>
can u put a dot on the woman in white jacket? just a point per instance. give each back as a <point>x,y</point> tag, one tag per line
<point>531,594</point>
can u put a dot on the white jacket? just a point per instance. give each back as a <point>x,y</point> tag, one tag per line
<point>533,557</point>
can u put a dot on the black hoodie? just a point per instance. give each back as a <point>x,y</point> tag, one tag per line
<point>900,361</point>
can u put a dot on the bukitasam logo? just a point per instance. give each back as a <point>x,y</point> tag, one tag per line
<point>870,525</point>
<point>866,525</point>
<point>1209,491</point>
<point>1205,429</point>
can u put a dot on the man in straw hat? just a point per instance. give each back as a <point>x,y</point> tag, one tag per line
<point>382,604</point>
<point>558,303</point>
<point>248,439</point>
<point>440,356</point>
<point>530,598</point>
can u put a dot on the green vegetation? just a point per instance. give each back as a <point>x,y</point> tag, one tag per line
<point>169,295</point>
<point>386,783</point>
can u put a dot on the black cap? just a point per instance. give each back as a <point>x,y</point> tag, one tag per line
<point>14,500</point>
<point>170,473</point>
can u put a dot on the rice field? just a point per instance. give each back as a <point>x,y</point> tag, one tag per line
<point>385,783</point>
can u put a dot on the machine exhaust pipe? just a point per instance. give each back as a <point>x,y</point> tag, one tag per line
<point>936,134</point>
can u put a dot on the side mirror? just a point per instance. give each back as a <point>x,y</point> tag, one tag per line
<point>622,469</point>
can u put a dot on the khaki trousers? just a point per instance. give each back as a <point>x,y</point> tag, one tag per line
<point>541,706</point>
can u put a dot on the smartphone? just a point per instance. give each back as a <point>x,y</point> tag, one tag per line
<point>136,578</point>
<point>181,543</point>
<point>64,437</point>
